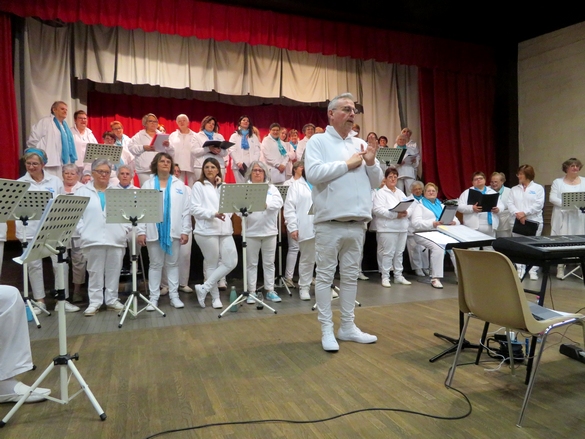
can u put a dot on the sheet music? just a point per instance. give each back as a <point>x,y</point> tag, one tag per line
<point>464,234</point>
<point>438,238</point>
<point>157,142</point>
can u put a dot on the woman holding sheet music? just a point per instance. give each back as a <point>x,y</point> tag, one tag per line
<point>525,203</point>
<point>246,148</point>
<point>425,216</point>
<point>391,227</point>
<point>473,215</point>
<point>209,131</point>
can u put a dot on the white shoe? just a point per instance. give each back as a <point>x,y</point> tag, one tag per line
<point>39,307</point>
<point>250,300</point>
<point>185,289</point>
<point>533,275</point>
<point>69,307</point>
<point>154,305</point>
<point>354,334</point>
<point>222,285</point>
<point>334,294</point>
<point>116,306</point>
<point>560,271</point>
<point>164,291</point>
<point>216,303</point>
<point>386,283</point>
<point>328,341</point>
<point>419,272</point>
<point>401,280</point>
<point>521,272</point>
<point>362,276</point>
<point>304,293</point>
<point>91,310</point>
<point>201,293</point>
<point>36,310</point>
<point>177,303</point>
<point>436,283</point>
<point>40,394</point>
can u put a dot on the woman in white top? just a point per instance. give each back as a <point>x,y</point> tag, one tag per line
<point>102,244</point>
<point>246,148</point>
<point>408,169</point>
<point>419,259</point>
<point>164,239</point>
<point>293,244</point>
<point>300,227</point>
<point>213,232</point>
<point>183,141</point>
<point>277,155</point>
<point>473,217</point>
<point>567,221</point>
<point>35,161</point>
<point>425,216</point>
<point>209,131</point>
<point>391,228</point>
<point>261,234</point>
<point>526,202</point>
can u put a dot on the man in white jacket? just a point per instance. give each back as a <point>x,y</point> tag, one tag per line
<point>342,170</point>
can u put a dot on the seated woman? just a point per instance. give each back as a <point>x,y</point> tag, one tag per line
<point>391,228</point>
<point>261,233</point>
<point>300,227</point>
<point>425,216</point>
<point>213,232</point>
<point>419,260</point>
<point>164,239</point>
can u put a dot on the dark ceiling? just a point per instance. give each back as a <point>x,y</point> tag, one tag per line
<point>494,23</point>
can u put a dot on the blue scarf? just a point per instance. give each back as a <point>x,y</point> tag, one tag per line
<point>245,144</point>
<point>68,153</point>
<point>280,146</point>
<point>418,197</point>
<point>489,216</point>
<point>209,134</point>
<point>294,145</point>
<point>164,228</point>
<point>434,207</point>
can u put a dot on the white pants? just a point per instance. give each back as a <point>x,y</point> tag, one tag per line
<point>1,256</point>
<point>188,177</point>
<point>184,265</point>
<point>158,260</point>
<point>268,246</point>
<point>404,183</point>
<point>343,241</point>
<point>15,354</point>
<point>35,276</point>
<point>221,257</point>
<point>437,255</point>
<point>522,266</point>
<point>391,245</point>
<point>77,262</point>
<point>419,259</point>
<point>104,263</point>
<point>291,257</point>
<point>307,262</point>
<point>503,233</point>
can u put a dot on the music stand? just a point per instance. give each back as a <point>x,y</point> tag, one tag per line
<point>244,198</point>
<point>577,200</point>
<point>390,156</point>
<point>31,207</point>
<point>95,151</point>
<point>279,283</point>
<point>54,232</point>
<point>134,205</point>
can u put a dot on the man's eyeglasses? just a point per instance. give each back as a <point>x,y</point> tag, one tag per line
<point>102,173</point>
<point>349,110</point>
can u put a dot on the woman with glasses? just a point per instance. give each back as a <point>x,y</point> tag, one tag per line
<point>246,148</point>
<point>473,215</point>
<point>142,150</point>
<point>102,244</point>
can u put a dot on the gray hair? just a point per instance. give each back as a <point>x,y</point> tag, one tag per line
<point>99,162</point>
<point>333,103</point>
<point>125,167</point>
<point>182,115</point>
<point>145,118</point>
<point>264,168</point>
<point>417,183</point>
<point>70,167</point>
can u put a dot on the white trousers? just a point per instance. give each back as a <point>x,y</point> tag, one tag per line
<point>419,259</point>
<point>188,177</point>
<point>343,242</point>
<point>391,245</point>
<point>307,262</point>
<point>104,263</point>
<point>35,276</point>
<point>268,246</point>
<point>404,183</point>
<point>184,265</point>
<point>538,233</point>
<point>15,354</point>
<point>221,257</point>
<point>158,260</point>
<point>77,262</point>
<point>1,256</point>
<point>437,255</point>
<point>291,257</point>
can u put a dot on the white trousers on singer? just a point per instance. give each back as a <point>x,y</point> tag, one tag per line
<point>104,263</point>
<point>268,246</point>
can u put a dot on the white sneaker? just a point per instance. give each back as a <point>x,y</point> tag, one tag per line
<point>222,285</point>
<point>116,306</point>
<point>39,307</point>
<point>216,303</point>
<point>177,303</point>
<point>436,283</point>
<point>91,310</point>
<point>164,291</point>
<point>201,293</point>
<point>401,280</point>
<point>20,389</point>
<point>560,271</point>
<point>533,275</point>
<point>69,307</point>
<point>151,308</point>
<point>250,300</point>
<point>328,341</point>
<point>354,334</point>
<point>362,276</point>
<point>521,272</point>
<point>304,293</point>
<point>185,288</point>
<point>386,283</point>
<point>36,310</point>
<point>419,272</point>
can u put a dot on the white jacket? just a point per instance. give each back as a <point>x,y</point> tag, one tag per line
<point>385,220</point>
<point>273,158</point>
<point>46,136</point>
<point>81,141</point>
<point>204,206</point>
<point>472,219</point>
<point>264,223</point>
<point>142,158</point>
<point>200,153</point>
<point>184,146</point>
<point>296,210</point>
<point>505,219</point>
<point>565,221</point>
<point>180,211</point>
<point>92,227</point>
<point>422,219</point>
<point>529,201</point>
<point>240,155</point>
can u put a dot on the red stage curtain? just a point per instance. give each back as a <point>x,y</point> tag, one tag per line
<point>457,128</point>
<point>206,20</point>
<point>9,137</point>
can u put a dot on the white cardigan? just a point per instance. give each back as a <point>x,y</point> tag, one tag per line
<point>204,206</point>
<point>296,210</point>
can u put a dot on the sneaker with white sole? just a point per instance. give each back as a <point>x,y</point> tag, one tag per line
<point>304,293</point>
<point>154,305</point>
<point>20,389</point>
<point>289,282</point>
<point>328,341</point>
<point>177,303</point>
<point>354,334</point>
<point>386,283</point>
<point>91,310</point>
<point>401,280</point>
<point>533,275</point>
<point>185,289</point>
<point>250,300</point>
<point>273,297</point>
<point>116,306</point>
<point>39,307</point>
<point>216,303</point>
<point>362,276</point>
<point>69,307</point>
<point>164,291</point>
<point>436,283</point>
<point>419,272</point>
<point>201,294</point>
<point>560,271</point>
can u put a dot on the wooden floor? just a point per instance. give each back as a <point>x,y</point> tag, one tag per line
<point>191,368</point>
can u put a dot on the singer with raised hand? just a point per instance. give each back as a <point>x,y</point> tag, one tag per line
<point>342,169</point>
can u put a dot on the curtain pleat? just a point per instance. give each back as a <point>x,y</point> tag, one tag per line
<point>9,137</point>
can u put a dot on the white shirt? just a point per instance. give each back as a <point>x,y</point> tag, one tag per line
<point>142,158</point>
<point>273,158</point>
<point>204,206</point>
<point>385,220</point>
<point>264,223</point>
<point>202,153</point>
<point>240,155</point>
<point>529,200</point>
<point>296,210</point>
<point>81,141</point>
<point>184,145</point>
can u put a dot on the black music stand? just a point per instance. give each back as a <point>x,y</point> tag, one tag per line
<point>244,198</point>
<point>54,232</point>
<point>134,205</point>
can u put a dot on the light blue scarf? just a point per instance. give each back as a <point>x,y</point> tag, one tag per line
<point>209,134</point>
<point>294,145</point>
<point>435,207</point>
<point>280,146</point>
<point>68,153</point>
<point>164,228</point>
<point>489,216</point>
<point>245,144</point>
